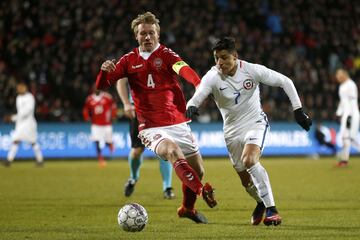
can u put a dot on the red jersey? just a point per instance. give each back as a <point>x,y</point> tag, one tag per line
<point>157,95</point>
<point>100,108</point>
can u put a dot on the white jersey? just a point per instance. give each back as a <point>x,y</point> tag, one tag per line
<point>25,123</point>
<point>238,96</point>
<point>348,106</point>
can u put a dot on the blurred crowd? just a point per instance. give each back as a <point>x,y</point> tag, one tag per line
<point>57,47</point>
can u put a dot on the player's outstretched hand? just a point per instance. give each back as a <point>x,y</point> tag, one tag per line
<point>191,112</point>
<point>108,66</point>
<point>302,119</point>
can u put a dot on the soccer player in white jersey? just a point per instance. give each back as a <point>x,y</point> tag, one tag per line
<point>348,111</point>
<point>234,85</point>
<point>25,125</point>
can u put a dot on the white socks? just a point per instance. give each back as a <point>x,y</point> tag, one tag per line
<point>252,191</point>
<point>14,148</point>
<point>261,180</point>
<point>38,154</point>
<point>12,152</point>
<point>345,151</point>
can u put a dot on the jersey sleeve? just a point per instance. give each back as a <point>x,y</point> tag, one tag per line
<point>85,110</point>
<point>113,109</point>
<point>120,70</point>
<point>202,92</point>
<point>106,79</point>
<point>171,56</point>
<point>270,77</point>
<point>189,75</point>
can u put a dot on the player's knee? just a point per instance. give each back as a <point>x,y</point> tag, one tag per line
<point>249,160</point>
<point>169,150</point>
<point>136,152</point>
<point>172,152</point>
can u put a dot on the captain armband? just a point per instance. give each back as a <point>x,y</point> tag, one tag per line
<point>178,65</point>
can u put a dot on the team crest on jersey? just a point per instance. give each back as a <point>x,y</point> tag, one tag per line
<point>248,84</point>
<point>157,62</point>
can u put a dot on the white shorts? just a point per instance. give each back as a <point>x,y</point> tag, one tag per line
<point>101,133</point>
<point>180,134</point>
<point>351,132</point>
<point>26,132</point>
<point>255,134</point>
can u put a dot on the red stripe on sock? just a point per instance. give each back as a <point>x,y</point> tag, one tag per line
<point>187,175</point>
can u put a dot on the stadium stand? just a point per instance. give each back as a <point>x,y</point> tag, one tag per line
<point>57,47</point>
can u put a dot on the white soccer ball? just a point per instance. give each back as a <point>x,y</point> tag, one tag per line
<point>132,217</point>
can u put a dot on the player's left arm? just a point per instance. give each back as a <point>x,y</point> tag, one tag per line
<point>276,79</point>
<point>182,69</point>
<point>85,112</point>
<point>113,109</point>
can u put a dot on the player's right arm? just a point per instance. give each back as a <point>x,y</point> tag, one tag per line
<point>123,91</point>
<point>110,72</point>
<point>201,93</point>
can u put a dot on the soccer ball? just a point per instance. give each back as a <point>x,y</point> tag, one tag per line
<point>132,217</point>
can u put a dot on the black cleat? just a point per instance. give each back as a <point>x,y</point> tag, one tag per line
<point>168,193</point>
<point>39,164</point>
<point>6,163</point>
<point>192,214</point>
<point>258,213</point>
<point>129,187</point>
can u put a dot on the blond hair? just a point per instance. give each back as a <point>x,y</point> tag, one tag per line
<point>148,18</point>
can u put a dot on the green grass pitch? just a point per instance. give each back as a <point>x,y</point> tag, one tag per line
<point>78,200</point>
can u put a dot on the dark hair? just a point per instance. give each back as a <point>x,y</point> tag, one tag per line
<point>225,43</point>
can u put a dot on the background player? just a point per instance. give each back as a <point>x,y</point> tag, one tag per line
<point>159,102</point>
<point>135,157</point>
<point>100,109</point>
<point>234,85</point>
<point>348,111</point>
<point>25,125</point>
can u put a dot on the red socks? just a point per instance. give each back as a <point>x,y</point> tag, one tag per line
<point>189,197</point>
<point>188,176</point>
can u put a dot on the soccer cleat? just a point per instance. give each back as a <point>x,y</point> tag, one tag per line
<point>129,187</point>
<point>192,214</point>
<point>208,195</point>
<point>258,213</point>
<point>39,164</point>
<point>102,164</point>
<point>168,193</point>
<point>342,163</point>
<point>272,217</point>
<point>6,163</point>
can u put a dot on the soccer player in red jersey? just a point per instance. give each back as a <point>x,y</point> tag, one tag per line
<point>160,106</point>
<point>100,109</point>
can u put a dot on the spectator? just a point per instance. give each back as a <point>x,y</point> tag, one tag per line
<point>59,46</point>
